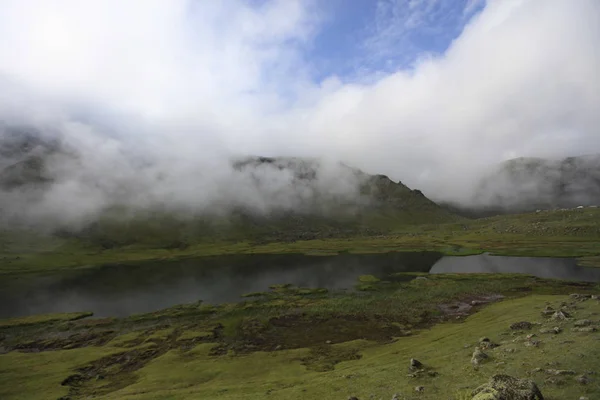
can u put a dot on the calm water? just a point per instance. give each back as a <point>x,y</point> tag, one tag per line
<point>125,290</point>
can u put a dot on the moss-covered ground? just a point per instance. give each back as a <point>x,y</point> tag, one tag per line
<point>299,343</point>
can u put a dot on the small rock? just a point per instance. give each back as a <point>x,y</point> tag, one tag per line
<point>582,379</point>
<point>577,296</point>
<point>595,297</point>
<point>555,331</point>
<point>415,364</point>
<point>506,387</point>
<point>509,350</point>
<point>478,357</point>
<point>419,389</point>
<point>560,316</point>
<point>560,372</point>
<point>547,311</point>
<point>486,343</point>
<point>536,370</point>
<point>478,302</point>
<point>533,343</point>
<point>522,325</point>
<point>555,381</point>
<point>531,335</point>
<point>396,396</point>
<point>587,329</point>
<point>582,322</point>
<point>328,342</point>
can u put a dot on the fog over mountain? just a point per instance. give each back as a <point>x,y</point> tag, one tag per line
<point>148,102</point>
<point>527,184</point>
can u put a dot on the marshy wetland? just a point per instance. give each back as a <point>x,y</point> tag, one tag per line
<point>301,341</point>
<point>124,290</point>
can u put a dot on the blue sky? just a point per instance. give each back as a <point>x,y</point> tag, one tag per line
<point>367,36</point>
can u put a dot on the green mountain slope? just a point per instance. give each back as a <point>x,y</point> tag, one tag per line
<point>379,206</point>
<point>529,184</point>
<point>266,199</point>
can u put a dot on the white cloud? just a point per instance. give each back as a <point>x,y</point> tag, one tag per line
<point>193,82</point>
<point>521,79</point>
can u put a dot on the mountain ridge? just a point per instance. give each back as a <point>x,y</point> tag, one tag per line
<point>262,198</point>
<point>528,184</point>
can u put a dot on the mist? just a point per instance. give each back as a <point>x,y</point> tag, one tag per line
<point>151,100</point>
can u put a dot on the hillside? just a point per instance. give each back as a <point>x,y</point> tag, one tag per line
<point>255,198</point>
<point>529,184</point>
<point>377,206</point>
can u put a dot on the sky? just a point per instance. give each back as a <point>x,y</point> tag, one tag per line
<point>429,92</point>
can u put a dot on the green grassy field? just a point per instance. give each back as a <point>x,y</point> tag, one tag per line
<point>572,233</point>
<point>298,343</point>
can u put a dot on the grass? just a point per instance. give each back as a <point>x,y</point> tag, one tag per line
<point>571,233</point>
<point>321,345</point>
<point>42,319</point>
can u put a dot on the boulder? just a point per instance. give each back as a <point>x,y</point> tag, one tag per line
<point>478,357</point>
<point>560,372</point>
<point>415,364</point>
<point>586,329</point>
<point>548,311</point>
<point>505,387</point>
<point>556,330</point>
<point>582,379</point>
<point>560,316</point>
<point>578,296</point>
<point>582,322</point>
<point>486,343</point>
<point>520,326</point>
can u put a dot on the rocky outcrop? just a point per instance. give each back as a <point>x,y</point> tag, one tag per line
<point>505,387</point>
<point>478,357</point>
<point>415,364</point>
<point>521,326</point>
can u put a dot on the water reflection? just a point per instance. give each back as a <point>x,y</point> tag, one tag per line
<point>543,267</point>
<point>125,290</point>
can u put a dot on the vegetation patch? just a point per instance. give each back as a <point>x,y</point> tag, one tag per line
<point>42,319</point>
<point>297,343</point>
<point>570,233</point>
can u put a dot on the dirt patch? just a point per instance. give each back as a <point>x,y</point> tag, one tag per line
<point>110,373</point>
<point>304,331</point>
<point>464,307</point>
